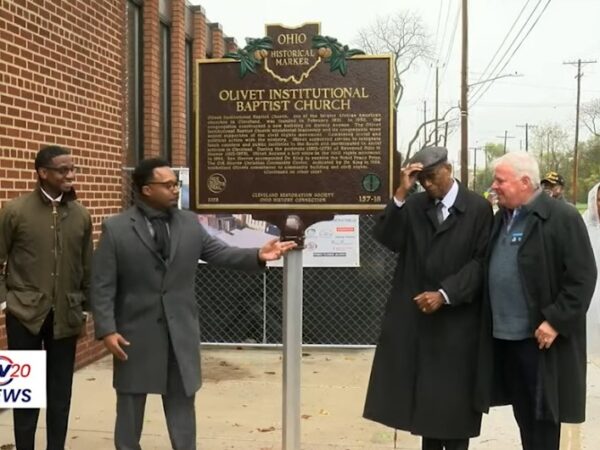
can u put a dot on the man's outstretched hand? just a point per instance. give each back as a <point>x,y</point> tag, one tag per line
<point>275,249</point>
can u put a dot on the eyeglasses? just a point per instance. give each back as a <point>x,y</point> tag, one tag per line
<point>63,170</point>
<point>168,184</point>
<point>429,175</point>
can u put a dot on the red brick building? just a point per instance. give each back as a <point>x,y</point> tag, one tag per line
<point>111,80</point>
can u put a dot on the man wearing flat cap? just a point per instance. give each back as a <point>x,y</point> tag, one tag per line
<point>423,373</point>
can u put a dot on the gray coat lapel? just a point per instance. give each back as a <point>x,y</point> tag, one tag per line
<point>175,232</point>
<point>140,228</point>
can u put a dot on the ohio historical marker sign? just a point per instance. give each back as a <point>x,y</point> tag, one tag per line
<point>293,122</point>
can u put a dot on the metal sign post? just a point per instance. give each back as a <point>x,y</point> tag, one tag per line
<point>292,348</point>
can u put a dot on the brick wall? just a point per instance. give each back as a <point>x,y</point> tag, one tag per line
<point>218,40</point>
<point>61,83</point>
<point>178,75</point>
<point>63,80</point>
<point>151,75</point>
<point>199,42</point>
<point>88,348</point>
<point>230,44</point>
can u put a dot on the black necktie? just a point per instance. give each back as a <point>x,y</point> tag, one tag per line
<point>161,236</point>
<point>439,212</point>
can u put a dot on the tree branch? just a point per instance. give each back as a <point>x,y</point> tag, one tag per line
<point>420,127</point>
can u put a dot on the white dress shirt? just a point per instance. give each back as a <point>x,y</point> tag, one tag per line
<point>57,199</point>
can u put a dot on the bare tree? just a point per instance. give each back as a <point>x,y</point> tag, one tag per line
<point>590,116</point>
<point>552,147</point>
<point>404,36</point>
<point>451,123</point>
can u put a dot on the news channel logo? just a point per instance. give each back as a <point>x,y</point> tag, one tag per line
<point>22,379</point>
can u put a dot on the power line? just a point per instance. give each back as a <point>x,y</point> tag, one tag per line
<point>437,29</point>
<point>482,93</point>
<point>504,40</point>
<point>509,48</point>
<point>542,86</point>
<point>445,28</point>
<point>451,42</point>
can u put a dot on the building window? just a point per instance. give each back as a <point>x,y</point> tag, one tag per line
<point>165,92</point>
<point>135,149</point>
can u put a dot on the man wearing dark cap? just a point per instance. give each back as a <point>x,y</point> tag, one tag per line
<point>423,374</point>
<point>554,185</point>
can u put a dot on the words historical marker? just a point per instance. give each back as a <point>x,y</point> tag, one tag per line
<point>294,122</point>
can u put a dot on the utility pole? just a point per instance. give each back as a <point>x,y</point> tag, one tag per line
<point>445,133</point>
<point>464,87</point>
<point>505,137</point>
<point>579,62</point>
<point>547,148</point>
<point>527,127</point>
<point>437,96</point>
<point>424,123</point>
<point>475,166</point>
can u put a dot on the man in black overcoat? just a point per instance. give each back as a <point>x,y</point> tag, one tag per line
<point>423,374</point>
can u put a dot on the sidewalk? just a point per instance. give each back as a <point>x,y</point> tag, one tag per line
<point>239,407</point>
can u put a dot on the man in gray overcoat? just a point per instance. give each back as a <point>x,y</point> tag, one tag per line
<point>144,306</point>
<point>423,372</point>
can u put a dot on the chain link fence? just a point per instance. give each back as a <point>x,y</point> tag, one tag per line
<point>342,306</point>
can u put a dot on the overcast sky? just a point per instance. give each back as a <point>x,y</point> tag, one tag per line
<point>546,91</point>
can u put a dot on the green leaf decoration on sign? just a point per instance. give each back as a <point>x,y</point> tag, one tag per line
<point>334,53</point>
<point>252,55</point>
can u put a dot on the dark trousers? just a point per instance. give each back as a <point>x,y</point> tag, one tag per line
<point>60,359</point>
<point>179,409</point>
<point>444,444</point>
<point>520,361</point>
